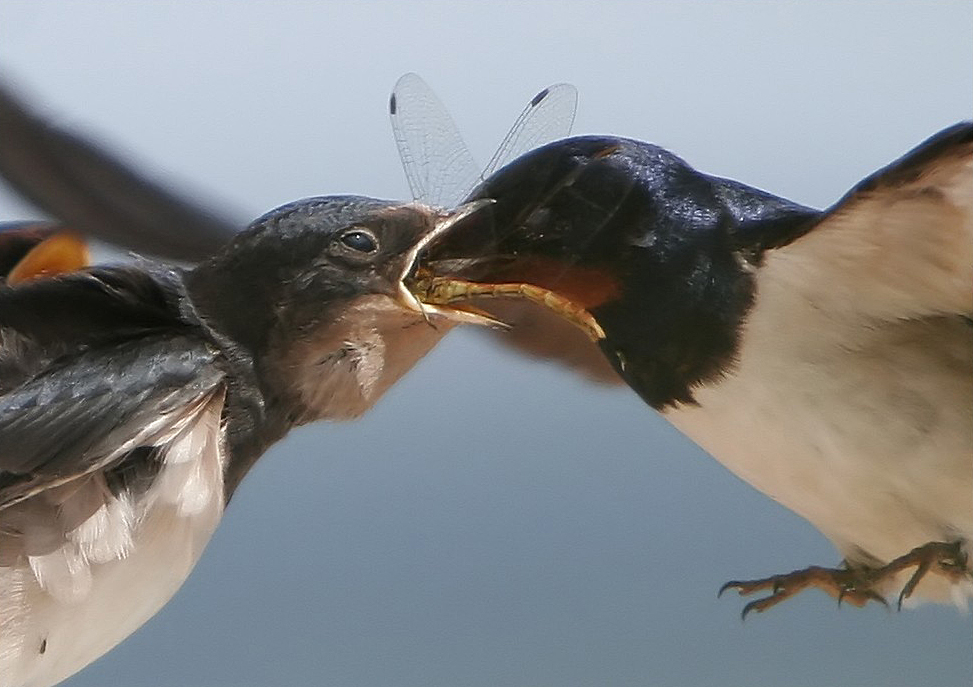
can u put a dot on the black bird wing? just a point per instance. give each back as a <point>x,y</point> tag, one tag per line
<point>111,403</point>
<point>90,411</point>
<point>93,365</point>
<point>96,195</point>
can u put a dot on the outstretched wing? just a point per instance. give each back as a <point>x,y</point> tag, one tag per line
<point>437,162</point>
<point>900,244</point>
<point>95,194</point>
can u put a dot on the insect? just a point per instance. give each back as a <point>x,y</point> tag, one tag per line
<point>438,164</point>
<point>442,172</point>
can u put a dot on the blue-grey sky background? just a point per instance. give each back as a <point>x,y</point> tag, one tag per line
<point>497,521</point>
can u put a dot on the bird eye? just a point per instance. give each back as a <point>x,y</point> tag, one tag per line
<point>359,240</point>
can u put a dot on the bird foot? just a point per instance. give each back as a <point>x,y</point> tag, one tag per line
<point>845,584</point>
<point>856,585</point>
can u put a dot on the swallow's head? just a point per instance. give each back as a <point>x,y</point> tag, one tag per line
<point>624,241</point>
<point>313,292</point>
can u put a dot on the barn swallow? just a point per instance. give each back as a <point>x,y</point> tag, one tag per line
<point>825,357</point>
<point>134,398</point>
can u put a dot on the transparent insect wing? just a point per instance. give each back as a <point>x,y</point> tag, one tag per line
<point>438,164</point>
<point>548,116</point>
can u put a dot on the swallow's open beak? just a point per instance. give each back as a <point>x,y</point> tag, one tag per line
<point>437,292</point>
<point>412,287</point>
<point>440,287</point>
<point>40,252</point>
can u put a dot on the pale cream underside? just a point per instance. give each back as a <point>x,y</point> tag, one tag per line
<point>852,404</point>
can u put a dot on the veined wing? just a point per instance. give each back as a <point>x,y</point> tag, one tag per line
<point>548,116</point>
<point>437,162</point>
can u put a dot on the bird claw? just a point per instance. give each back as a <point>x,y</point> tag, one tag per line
<point>844,584</point>
<point>745,587</point>
<point>860,597</point>
<point>948,557</point>
<point>856,585</point>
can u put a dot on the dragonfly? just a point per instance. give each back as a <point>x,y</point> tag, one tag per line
<point>442,172</point>
<point>438,165</point>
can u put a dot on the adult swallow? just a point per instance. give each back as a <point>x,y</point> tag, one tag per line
<point>134,398</point>
<point>825,357</point>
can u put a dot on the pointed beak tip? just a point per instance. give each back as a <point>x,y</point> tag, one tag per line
<point>463,211</point>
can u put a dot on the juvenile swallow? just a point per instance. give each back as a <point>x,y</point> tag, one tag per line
<point>134,398</point>
<point>825,357</point>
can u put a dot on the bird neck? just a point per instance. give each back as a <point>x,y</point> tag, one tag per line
<point>687,333</point>
<point>232,298</point>
<point>339,368</point>
<point>701,275</point>
<point>281,374</point>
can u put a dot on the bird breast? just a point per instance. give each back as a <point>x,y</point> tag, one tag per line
<point>94,563</point>
<point>860,426</point>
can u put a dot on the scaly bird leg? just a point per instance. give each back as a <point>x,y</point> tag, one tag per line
<point>858,585</point>
<point>944,558</point>
<point>845,584</point>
